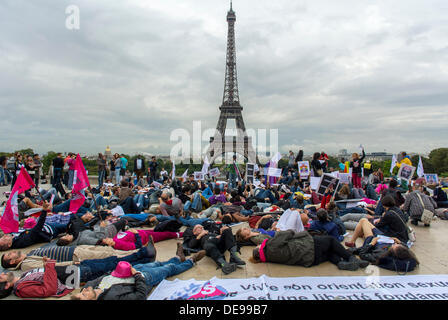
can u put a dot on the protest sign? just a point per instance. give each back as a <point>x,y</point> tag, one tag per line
<point>406,172</point>
<point>274,172</point>
<point>431,178</point>
<point>344,178</point>
<point>214,172</point>
<point>250,168</point>
<point>314,183</point>
<point>415,287</point>
<point>304,168</point>
<point>198,175</point>
<point>325,181</point>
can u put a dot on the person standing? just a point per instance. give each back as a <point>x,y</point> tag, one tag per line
<point>71,170</point>
<point>152,170</point>
<point>58,165</point>
<point>18,164</point>
<point>101,162</point>
<point>233,173</point>
<point>3,161</point>
<point>124,163</point>
<point>112,170</point>
<point>117,162</point>
<point>37,168</point>
<point>291,160</point>
<point>316,166</point>
<point>139,167</point>
<point>356,165</point>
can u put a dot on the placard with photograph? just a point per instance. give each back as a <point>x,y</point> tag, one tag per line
<point>304,169</point>
<point>214,172</point>
<point>250,169</point>
<point>325,181</point>
<point>406,172</point>
<point>431,178</point>
<point>198,175</point>
<point>344,178</point>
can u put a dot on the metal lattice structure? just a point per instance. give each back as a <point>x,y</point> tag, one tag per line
<point>231,108</point>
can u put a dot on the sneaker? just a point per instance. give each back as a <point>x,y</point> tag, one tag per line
<point>228,268</point>
<point>426,224</point>
<point>348,265</point>
<point>180,252</point>
<point>414,222</point>
<point>198,256</point>
<point>151,249</point>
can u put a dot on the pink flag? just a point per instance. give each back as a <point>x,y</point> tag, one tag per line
<point>80,179</point>
<point>77,201</point>
<point>10,219</point>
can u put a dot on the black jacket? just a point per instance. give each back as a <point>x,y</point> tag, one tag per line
<point>393,224</point>
<point>143,165</point>
<point>357,165</point>
<point>33,236</point>
<point>137,291</point>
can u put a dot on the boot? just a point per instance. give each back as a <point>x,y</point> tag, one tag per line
<point>226,267</point>
<point>198,256</point>
<point>361,263</point>
<point>350,265</point>
<point>234,258</point>
<point>180,252</point>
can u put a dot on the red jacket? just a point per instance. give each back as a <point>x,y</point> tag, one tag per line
<point>42,289</point>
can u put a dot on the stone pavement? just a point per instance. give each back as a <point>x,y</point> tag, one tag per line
<point>429,248</point>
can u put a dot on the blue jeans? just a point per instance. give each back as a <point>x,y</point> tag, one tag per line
<point>65,207</point>
<point>137,216</point>
<point>94,268</point>
<point>117,175</point>
<point>100,201</point>
<point>71,175</point>
<point>57,228</point>
<point>196,205</point>
<point>156,272</point>
<point>351,210</point>
<point>101,176</point>
<point>140,201</point>
<point>232,180</point>
<point>189,222</point>
<point>2,176</point>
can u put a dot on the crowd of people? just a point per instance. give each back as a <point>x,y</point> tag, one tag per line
<point>109,242</point>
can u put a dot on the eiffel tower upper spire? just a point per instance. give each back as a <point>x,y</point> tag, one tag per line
<point>231,96</point>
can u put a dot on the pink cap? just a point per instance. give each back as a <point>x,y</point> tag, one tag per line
<point>29,223</point>
<point>123,270</point>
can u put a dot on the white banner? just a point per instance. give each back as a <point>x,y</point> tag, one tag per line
<point>274,172</point>
<point>214,172</point>
<point>420,287</point>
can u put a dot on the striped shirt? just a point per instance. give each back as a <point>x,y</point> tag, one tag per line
<point>60,254</point>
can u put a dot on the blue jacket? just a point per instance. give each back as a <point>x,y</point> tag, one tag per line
<point>330,227</point>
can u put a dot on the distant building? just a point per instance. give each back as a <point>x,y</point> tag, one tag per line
<point>378,156</point>
<point>108,154</point>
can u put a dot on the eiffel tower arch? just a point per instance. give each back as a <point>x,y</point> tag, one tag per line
<point>231,108</point>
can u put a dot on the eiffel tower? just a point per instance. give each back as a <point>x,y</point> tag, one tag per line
<point>231,108</point>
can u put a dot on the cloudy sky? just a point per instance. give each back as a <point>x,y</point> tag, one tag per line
<point>327,74</point>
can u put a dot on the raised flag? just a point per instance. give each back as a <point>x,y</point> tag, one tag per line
<point>420,170</point>
<point>10,218</point>
<point>80,178</point>
<point>184,176</point>
<point>393,164</point>
<point>173,173</point>
<point>76,201</point>
<point>205,166</point>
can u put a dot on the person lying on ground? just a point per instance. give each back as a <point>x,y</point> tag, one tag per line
<point>58,281</point>
<point>41,232</point>
<point>303,249</point>
<point>128,282</point>
<point>392,224</point>
<point>134,239</point>
<point>215,242</point>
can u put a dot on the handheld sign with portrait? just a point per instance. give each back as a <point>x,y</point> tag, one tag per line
<point>344,178</point>
<point>326,181</point>
<point>250,168</point>
<point>406,172</point>
<point>304,169</point>
<point>198,175</point>
<point>214,172</point>
<point>431,178</point>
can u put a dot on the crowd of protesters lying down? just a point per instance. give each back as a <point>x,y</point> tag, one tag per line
<point>109,240</point>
